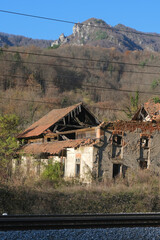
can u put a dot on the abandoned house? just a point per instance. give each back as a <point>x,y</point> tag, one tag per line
<point>67,135</point>
<point>149,111</point>
<point>90,149</point>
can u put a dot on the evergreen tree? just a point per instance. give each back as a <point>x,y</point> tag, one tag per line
<point>8,143</point>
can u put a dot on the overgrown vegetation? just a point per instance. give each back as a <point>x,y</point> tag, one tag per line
<point>143,63</point>
<point>156,100</point>
<point>55,46</point>
<point>138,192</point>
<point>154,84</point>
<point>8,143</point>
<point>53,173</point>
<point>99,21</point>
<point>100,35</point>
<point>133,107</point>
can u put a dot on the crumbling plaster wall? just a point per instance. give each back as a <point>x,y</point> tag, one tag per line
<point>32,165</point>
<point>85,154</point>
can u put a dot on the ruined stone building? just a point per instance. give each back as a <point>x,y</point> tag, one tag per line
<point>67,135</point>
<point>89,149</point>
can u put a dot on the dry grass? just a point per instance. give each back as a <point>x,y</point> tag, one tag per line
<point>138,192</point>
<point>142,180</point>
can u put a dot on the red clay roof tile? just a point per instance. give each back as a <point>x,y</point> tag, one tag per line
<point>152,108</point>
<point>131,126</point>
<point>47,121</point>
<point>54,148</point>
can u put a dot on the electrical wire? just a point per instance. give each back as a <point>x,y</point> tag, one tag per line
<point>94,60</point>
<point>68,76</point>
<point>80,59</point>
<point>103,88</point>
<point>80,67</point>
<point>80,24</point>
<point>44,102</point>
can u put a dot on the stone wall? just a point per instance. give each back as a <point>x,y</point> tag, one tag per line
<point>131,153</point>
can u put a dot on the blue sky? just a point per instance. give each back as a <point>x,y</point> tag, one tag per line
<point>142,15</point>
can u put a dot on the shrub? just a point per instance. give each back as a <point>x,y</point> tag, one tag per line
<point>143,63</point>
<point>154,84</point>
<point>55,46</point>
<point>156,100</point>
<point>101,35</point>
<point>53,172</point>
<point>99,21</point>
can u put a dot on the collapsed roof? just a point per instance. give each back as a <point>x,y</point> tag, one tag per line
<point>73,117</point>
<point>148,112</point>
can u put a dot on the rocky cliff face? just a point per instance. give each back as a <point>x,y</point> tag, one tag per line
<point>96,32</point>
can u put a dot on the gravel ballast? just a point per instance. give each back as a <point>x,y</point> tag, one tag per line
<point>149,233</point>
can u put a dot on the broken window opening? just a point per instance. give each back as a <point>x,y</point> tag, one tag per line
<point>144,150</point>
<point>116,146</point>
<point>117,139</point>
<point>77,169</point>
<point>144,142</point>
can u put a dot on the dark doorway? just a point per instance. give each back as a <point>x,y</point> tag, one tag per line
<point>143,164</point>
<point>119,169</point>
<point>116,170</point>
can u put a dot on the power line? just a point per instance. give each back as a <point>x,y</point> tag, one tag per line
<point>62,75</point>
<point>81,59</point>
<point>119,90</point>
<point>36,16</point>
<point>25,100</point>
<point>104,88</point>
<point>49,64</point>
<point>80,67</point>
<point>95,87</point>
<point>43,102</point>
<point>81,24</point>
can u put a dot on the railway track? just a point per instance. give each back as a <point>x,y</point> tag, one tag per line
<point>27,222</point>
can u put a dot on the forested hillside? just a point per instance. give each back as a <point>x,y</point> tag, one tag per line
<point>34,81</point>
<point>17,40</point>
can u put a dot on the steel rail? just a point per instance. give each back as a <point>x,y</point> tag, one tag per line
<point>27,222</point>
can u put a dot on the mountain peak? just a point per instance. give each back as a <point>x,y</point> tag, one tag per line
<point>95,22</point>
<point>96,32</point>
<point>93,32</point>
